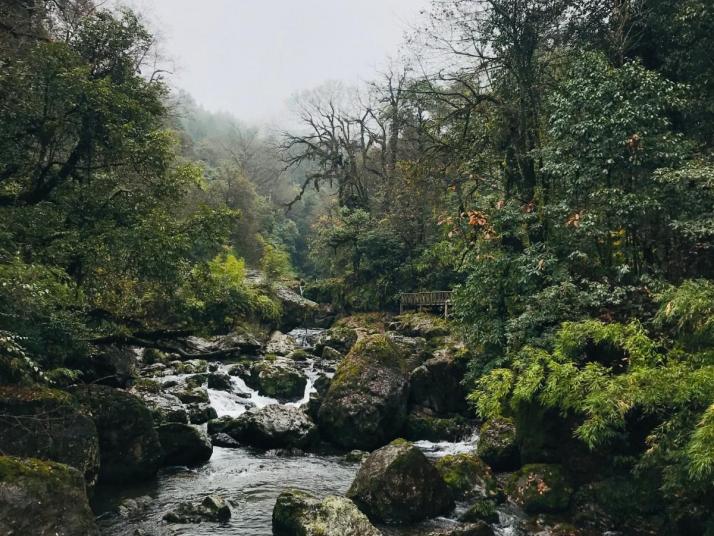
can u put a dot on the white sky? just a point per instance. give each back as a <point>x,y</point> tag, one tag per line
<point>248,57</point>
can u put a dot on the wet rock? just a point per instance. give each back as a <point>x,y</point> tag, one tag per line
<point>191,366</point>
<point>156,369</point>
<point>196,395</point>
<point>437,384</point>
<point>467,476</point>
<point>220,381</point>
<point>479,528</point>
<point>330,354</point>
<point>277,379</point>
<point>44,499</point>
<point>296,309</point>
<point>240,369</point>
<point>414,348</point>
<point>224,440</point>
<point>497,444</point>
<point>196,381</point>
<point>131,507</point>
<point>356,456</point>
<point>164,407</point>
<point>420,325</point>
<point>272,426</point>
<point>540,488</point>
<point>184,444</point>
<point>200,413</point>
<point>398,484</point>
<point>366,403</point>
<point>481,510</point>
<point>297,513</point>
<point>280,344</point>
<point>212,508</point>
<point>300,356</point>
<point>45,423</point>
<point>129,448</point>
<point>423,424</point>
<point>248,342</point>
<point>219,425</point>
<point>339,339</point>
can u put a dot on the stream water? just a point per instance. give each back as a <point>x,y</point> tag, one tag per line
<point>251,480</point>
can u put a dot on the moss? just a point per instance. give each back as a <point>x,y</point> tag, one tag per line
<point>422,426</point>
<point>467,475</point>
<point>540,488</point>
<point>11,469</point>
<point>481,510</point>
<point>147,386</point>
<point>34,394</point>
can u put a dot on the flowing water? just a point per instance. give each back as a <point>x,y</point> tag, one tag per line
<point>251,480</point>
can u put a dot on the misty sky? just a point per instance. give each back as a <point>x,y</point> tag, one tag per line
<point>248,57</point>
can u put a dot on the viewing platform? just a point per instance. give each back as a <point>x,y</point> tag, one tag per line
<point>422,300</point>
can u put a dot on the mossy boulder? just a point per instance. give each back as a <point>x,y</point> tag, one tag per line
<point>438,384</point>
<point>164,407</point>
<point>37,422</point>
<point>43,499</point>
<point>200,412</point>
<point>366,404</point>
<point>116,366</point>
<point>398,484</point>
<point>270,427</point>
<point>467,476</point>
<point>540,488</point>
<point>192,395</point>
<point>219,381</point>
<point>423,424</point>
<point>330,354</point>
<point>341,339</point>
<point>497,444</point>
<point>481,510</point>
<point>277,379</point>
<point>420,325</point>
<point>184,444</point>
<point>297,513</point>
<point>129,448</point>
<point>191,366</point>
<point>212,508</point>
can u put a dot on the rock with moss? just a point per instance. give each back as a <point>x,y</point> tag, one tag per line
<point>297,513</point>
<point>540,488</point>
<point>340,339</point>
<point>467,476</point>
<point>191,366</point>
<point>366,404</point>
<point>296,310</point>
<point>420,325</point>
<point>414,349</point>
<point>280,344</point>
<point>438,384</point>
<point>481,510</point>
<point>398,484</point>
<point>270,427</point>
<point>330,354</point>
<point>212,508</point>
<point>422,424</point>
<point>43,499</point>
<point>129,448</point>
<point>116,366</point>
<point>184,444</point>
<point>277,379</point>
<point>220,381</point>
<point>200,412</point>
<point>37,422</point>
<point>497,444</point>
<point>164,407</point>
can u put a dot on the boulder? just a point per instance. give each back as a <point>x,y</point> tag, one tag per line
<point>330,354</point>
<point>184,444</point>
<point>115,366</point>
<point>297,513</point>
<point>212,508</point>
<point>540,488</point>
<point>420,325</point>
<point>43,499</point>
<point>366,403</point>
<point>220,381</point>
<point>398,484</point>
<point>423,424</point>
<point>224,440</point>
<point>164,407</point>
<point>200,413</point>
<point>270,427</point>
<point>497,444</point>
<point>194,395</point>
<point>280,344</point>
<point>481,510</point>
<point>437,384</point>
<point>129,448</point>
<point>467,476</point>
<point>45,423</point>
<point>296,309</point>
<point>191,366</point>
<point>413,348</point>
<point>277,379</point>
<point>340,339</point>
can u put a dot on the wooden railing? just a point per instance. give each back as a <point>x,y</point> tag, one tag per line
<point>425,299</point>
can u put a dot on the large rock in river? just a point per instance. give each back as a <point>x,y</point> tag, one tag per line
<point>398,484</point>
<point>540,488</point>
<point>366,404</point>
<point>184,444</point>
<point>43,499</point>
<point>437,384</point>
<point>497,444</point>
<point>277,379</point>
<point>297,513</point>
<point>36,422</point>
<point>270,427</point>
<point>129,447</point>
<point>467,476</point>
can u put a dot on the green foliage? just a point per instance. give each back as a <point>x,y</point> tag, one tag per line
<point>275,263</point>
